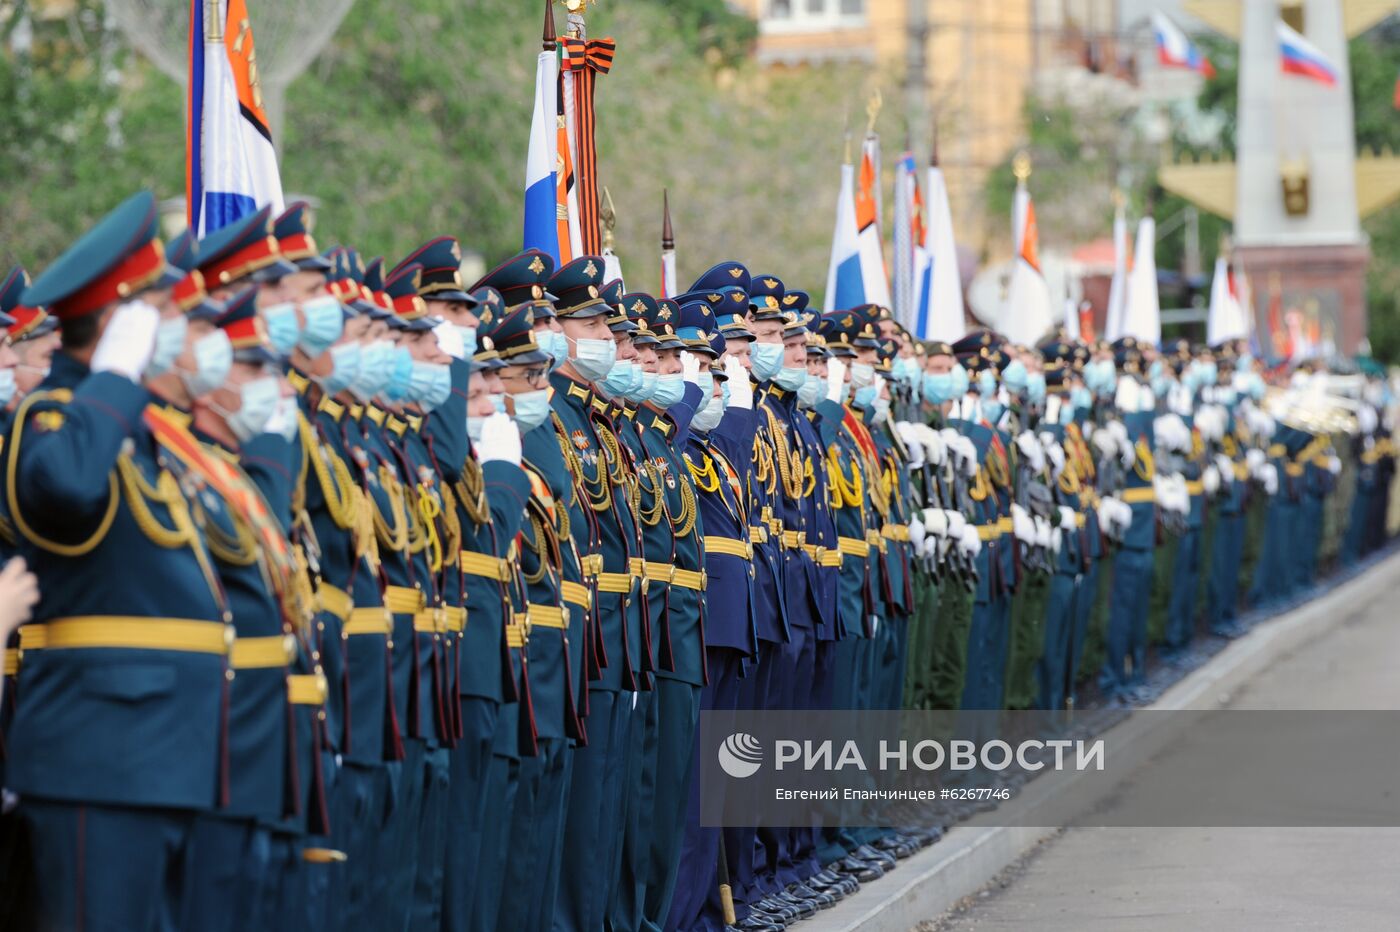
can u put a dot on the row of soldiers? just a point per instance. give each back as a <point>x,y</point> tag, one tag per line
<point>374,600</point>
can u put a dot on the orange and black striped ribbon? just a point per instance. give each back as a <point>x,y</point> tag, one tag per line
<point>588,59</point>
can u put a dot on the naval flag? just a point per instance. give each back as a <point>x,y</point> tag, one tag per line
<point>230,162</point>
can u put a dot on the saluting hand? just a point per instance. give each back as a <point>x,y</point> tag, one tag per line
<point>690,368</point>
<point>129,341</point>
<point>740,388</point>
<point>500,440</point>
<point>835,379</point>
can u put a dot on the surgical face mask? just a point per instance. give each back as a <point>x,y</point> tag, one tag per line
<point>865,396</point>
<point>1209,373</point>
<point>429,384</point>
<point>170,343</point>
<point>882,409</point>
<point>499,400</point>
<point>790,378</point>
<point>594,358</point>
<point>643,387</point>
<point>531,408</point>
<point>669,390</point>
<point>862,374</point>
<point>1067,414</point>
<point>324,323</point>
<point>345,368</point>
<point>766,359</point>
<point>707,387</point>
<point>400,375</point>
<point>1154,371</point>
<point>620,378</point>
<point>1014,376</point>
<point>282,327</point>
<point>708,417</point>
<point>938,387</point>
<point>1101,376</point>
<point>1256,386</point>
<point>1227,397</point>
<point>468,340</point>
<point>905,370</point>
<point>1160,385</point>
<point>213,358</point>
<point>7,386</point>
<point>992,411</point>
<point>811,391</point>
<point>260,398</point>
<point>960,382</point>
<point>376,365</point>
<point>986,383</point>
<point>845,393</point>
<point>474,428</point>
<point>1080,397</point>
<point>1035,387</point>
<point>554,343</point>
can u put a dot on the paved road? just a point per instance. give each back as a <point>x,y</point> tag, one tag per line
<point>1240,879</point>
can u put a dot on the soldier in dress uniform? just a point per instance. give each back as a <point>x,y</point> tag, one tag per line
<point>558,603</point>
<point>594,822</point>
<point>33,336</point>
<point>131,645</point>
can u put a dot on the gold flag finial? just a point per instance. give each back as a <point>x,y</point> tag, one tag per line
<point>1021,165</point>
<point>609,217</point>
<point>872,111</point>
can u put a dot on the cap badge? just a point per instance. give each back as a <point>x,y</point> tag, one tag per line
<point>770,283</point>
<point>790,299</point>
<point>736,272</point>
<point>639,306</point>
<point>590,270</point>
<point>664,313</point>
<point>536,266</point>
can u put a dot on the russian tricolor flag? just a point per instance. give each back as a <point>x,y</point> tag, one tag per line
<point>230,162</point>
<point>844,287</point>
<point>541,182</point>
<point>1174,50</point>
<point>1299,56</point>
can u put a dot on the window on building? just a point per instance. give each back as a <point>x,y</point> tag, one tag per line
<point>812,15</point>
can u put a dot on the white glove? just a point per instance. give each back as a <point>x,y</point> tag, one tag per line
<point>740,388</point>
<point>1366,419</point>
<point>912,442</point>
<point>1225,466</point>
<point>500,440</point>
<point>835,379</point>
<point>1125,399</point>
<point>1056,454</point>
<point>1210,479</point>
<point>1147,401</point>
<point>128,342</point>
<point>1270,477</point>
<point>935,450</point>
<point>690,369</point>
<point>1105,441</point>
<point>1068,519</point>
<point>1042,531</point>
<point>970,544</point>
<point>916,533</point>
<point>1057,540</point>
<point>1127,453</point>
<point>284,418</point>
<point>968,450</point>
<point>1022,525</point>
<point>936,522</point>
<point>1029,446</point>
<point>957,523</point>
<point>1334,465</point>
<point>450,340</point>
<point>1256,460</point>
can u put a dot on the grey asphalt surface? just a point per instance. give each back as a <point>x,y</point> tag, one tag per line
<point>1240,879</point>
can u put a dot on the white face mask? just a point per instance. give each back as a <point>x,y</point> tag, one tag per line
<point>170,343</point>
<point>594,358</point>
<point>213,359</point>
<point>709,416</point>
<point>862,374</point>
<point>260,399</point>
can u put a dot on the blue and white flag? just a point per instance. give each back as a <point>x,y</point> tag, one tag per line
<point>230,162</point>
<point>541,182</point>
<point>844,286</point>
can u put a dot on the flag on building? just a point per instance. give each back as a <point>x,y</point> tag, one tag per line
<point>939,314</point>
<point>541,227</point>
<point>1175,50</point>
<point>1142,312</point>
<point>230,162</point>
<point>1300,57</point>
<point>1027,315</point>
<point>868,216</point>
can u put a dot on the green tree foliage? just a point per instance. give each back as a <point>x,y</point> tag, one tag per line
<point>413,122</point>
